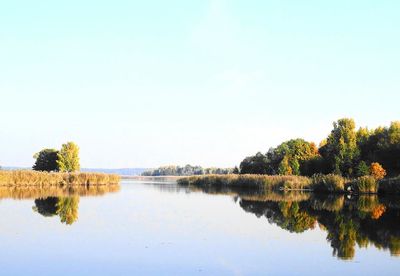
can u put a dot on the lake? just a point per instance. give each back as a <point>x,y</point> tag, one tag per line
<point>159,228</point>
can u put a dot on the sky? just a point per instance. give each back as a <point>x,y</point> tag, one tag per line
<point>150,83</point>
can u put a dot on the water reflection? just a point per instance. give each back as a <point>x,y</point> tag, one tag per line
<point>32,192</point>
<point>62,201</point>
<point>65,207</point>
<point>349,221</point>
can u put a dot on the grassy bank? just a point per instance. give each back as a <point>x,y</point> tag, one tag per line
<point>329,183</point>
<point>45,179</point>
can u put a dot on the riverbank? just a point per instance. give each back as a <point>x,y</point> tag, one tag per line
<point>46,179</point>
<point>329,183</point>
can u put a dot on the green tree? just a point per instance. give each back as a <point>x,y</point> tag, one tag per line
<point>68,158</point>
<point>381,145</point>
<point>290,156</point>
<point>256,164</point>
<point>284,166</point>
<point>341,150</point>
<point>46,160</point>
<point>362,169</point>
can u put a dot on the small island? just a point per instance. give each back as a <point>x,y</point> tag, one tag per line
<point>56,168</point>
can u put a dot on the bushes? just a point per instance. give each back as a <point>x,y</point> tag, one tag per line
<point>330,183</point>
<point>44,179</point>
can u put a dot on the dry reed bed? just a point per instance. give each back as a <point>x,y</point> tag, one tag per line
<point>46,179</point>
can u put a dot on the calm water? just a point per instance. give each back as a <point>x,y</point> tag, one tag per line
<point>149,228</point>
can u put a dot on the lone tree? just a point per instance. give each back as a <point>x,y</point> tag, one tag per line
<point>46,160</point>
<point>68,158</point>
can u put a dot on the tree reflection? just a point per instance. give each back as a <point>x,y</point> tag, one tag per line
<point>65,207</point>
<point>46,207</point>
<point>349,221</point>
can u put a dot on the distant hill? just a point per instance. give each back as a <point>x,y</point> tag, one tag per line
<point>122,172</point>
<point>15,168</point>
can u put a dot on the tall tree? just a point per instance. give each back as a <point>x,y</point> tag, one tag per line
<point>340,150</point>
<point>68,158</point>
<point>46,160</point>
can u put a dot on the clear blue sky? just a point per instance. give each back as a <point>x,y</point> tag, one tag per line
<point>148,83</point>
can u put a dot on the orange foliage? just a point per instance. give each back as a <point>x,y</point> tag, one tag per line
<point>377,171</point>
<point>378,211</point>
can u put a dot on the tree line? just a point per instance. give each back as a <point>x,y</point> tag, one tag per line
<point>64,160</point>
<point>346,151</point>
<point>185,171</point>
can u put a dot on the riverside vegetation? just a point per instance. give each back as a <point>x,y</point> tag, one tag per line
<point>348,161</point>
<point>329,183</point>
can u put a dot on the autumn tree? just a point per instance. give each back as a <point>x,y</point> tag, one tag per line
<point>377,171</point>
<point>46,160</point>
<point>68,158</point>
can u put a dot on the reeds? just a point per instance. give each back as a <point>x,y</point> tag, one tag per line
<point>329,183</point>
<point>46,179</point>
<point>365,185</point>
<point>264,182</point>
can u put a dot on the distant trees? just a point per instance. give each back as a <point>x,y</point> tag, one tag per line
<point>345,152</point>
<point>46,160</point>
<point>186,170</point>
<point>65,160</point>
<point>68,158</point>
